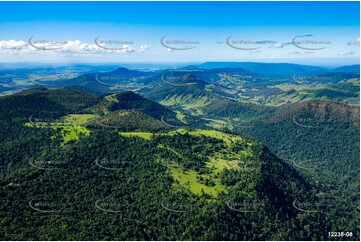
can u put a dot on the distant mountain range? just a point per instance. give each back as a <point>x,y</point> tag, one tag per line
<point>276,68</point>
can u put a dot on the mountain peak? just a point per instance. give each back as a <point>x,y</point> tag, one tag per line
<point>129,96</point>
<point>121,69</point>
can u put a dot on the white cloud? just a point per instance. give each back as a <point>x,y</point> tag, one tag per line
<point>75,47</point>
<point>143,48</point>
<point>301,53</point>
<point>12,44</point>
<point>278,45</point>
<point>254,51</point>
<point>347,53</point>
<point>354,42</point>
<point>295,53</point>
<point>274,44</point>
<point>14,47</point>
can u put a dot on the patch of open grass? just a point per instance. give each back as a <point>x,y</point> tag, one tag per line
<point>143,135</point>
<point>188,179</point>
<point>227,138</point>
<point>70,126</point>
<point>187,102</point>
<point>111,98</point>
<point>78,119</point>
<point>180,116</point>
<point>69,133</point>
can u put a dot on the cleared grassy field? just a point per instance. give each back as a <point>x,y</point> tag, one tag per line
<point>180,116</point>
<point>227,138</point>
<point>187,102</point>
<point>111,98</point>
<point>71,133</point>
<point>193,181</point>
<point>188,179</point>
<point>78,119</point>
<point>70,126</point>
<point>143,135</point>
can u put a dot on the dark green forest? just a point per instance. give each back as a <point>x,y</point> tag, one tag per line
<point>106,186</point>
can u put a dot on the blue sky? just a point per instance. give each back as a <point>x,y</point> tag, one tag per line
<point>323,33</point>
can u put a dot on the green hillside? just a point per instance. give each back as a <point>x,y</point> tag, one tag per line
<point>136,178</point>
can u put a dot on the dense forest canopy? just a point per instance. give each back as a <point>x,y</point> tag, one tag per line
<point>76,166</point>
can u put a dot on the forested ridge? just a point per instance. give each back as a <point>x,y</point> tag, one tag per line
<point>103,185</point>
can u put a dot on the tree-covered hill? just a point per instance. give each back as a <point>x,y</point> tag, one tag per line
<point>64,178</point>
